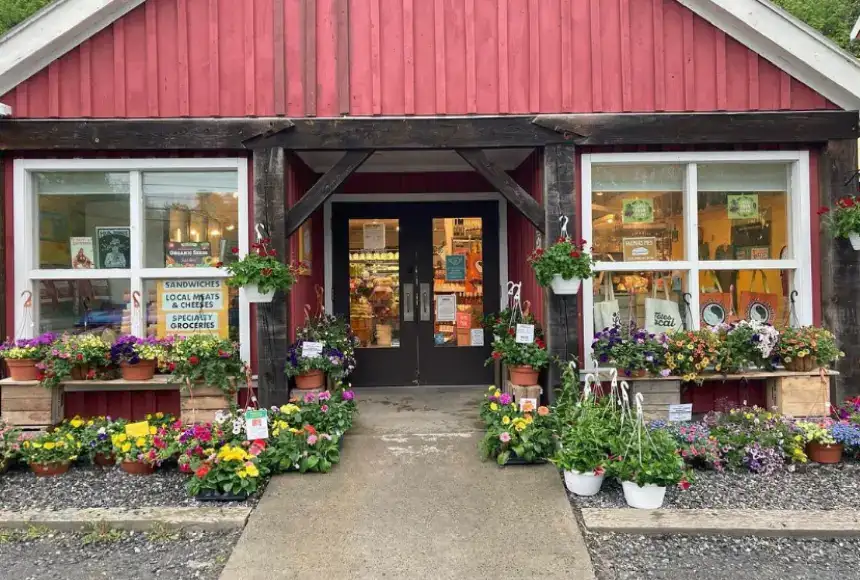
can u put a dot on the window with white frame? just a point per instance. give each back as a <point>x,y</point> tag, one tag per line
<point>687,240</point>
<point>130,245</point>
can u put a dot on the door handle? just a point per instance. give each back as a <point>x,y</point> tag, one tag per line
<point>425,301</point>
<point>408,302</point>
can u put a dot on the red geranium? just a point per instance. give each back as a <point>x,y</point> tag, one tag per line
<point>194,360</point>
<point>202,471</point>
<point>235,250</point>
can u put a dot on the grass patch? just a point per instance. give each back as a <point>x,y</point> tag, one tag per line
<point>160,533</point>
<point>101,533</point>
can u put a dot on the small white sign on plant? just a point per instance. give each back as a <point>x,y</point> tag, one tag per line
<point>525,333</point>
<point>683,412</point>
<point>256,424</point>
<point>311,349</point>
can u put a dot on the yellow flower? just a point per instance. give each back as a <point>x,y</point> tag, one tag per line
<point>242,474</point>
<point>70,437</point>
<point>26,444</point>
<point>498,393</point>
<point>680,357</point>
<point>289,409</point>
<point>122,437</point>
<point>37,445</point>
<point>494,407</point>
<point>717,368</point>
<point>76,422</point>
<point>492,387</point>
<point>126,447</point>
<point>90,423</point>
<point>529,420</point>
<point>141,442</point>
<point>159,415</point>
<point>153,430</point>
<point>705,362</point>
<point>148,416</point>
<point>506,420</point>
<point>520,426</point>
<point>252,469</point>
<point>514,406</point>
<point>49,445</point>
<point>690,346</point>
<point>60,443</point>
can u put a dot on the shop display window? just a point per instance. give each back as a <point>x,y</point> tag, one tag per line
<point>458,281</point>
<point>374,282</point>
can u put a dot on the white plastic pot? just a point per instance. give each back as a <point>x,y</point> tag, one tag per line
<point>561,286</point>
<point>253,293</point>
<point>646,497</point>
<point>584,484</point>
<point>855,240</point>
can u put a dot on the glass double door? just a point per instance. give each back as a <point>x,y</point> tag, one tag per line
<point>415,281</point>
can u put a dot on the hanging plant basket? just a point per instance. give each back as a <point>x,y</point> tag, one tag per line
<point>643,497</point>
<point>252,291</point>
<point>854,238</point>
<point>583,484</point>
<point>801,365</point>
<point>564,287</point>
<point>23,369</point>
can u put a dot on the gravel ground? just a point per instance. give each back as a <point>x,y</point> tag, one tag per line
<point>93,486</point>
<point>623,557</point>
<point>51,555</point>
<point>810,487</point>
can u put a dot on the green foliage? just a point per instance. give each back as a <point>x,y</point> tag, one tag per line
<point>565,257</point>
<point>13,12</point>
<point>261,267</point>
<point>208,359</point>
<point>302,450</point>
<point>833,18</point>
<point>809,341</point>
<point>101,533</point>
<point>528,434</point>
<point>513,353</point>
<point>844,219</point>
<point>645,458</point>
<point>51,447</point>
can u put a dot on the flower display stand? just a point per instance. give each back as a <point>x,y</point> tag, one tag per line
<point>658,394</point>
<point>523,392</point>
<point>800,394</point>
<point>28,405</point>
<point>201,403</point>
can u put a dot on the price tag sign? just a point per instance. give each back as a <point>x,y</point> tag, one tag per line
<point>528,405</point>
<point>477,336</point>
<point>525,333</point>
<point>312,349</point>
<point>140,429</point>
<point>257,424</point>
<point>682,412</point>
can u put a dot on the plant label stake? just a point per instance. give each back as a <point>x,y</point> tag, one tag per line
<point>256,424</point>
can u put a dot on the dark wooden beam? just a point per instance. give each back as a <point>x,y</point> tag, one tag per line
<point>704,128</point>
<point>324,187</point>
<point>134,134</point>
<point>840,267</point>
<point>270,205</point>
<point>505,185</point>
<point>559,199</point>
<point>411,133</point>
<point>4,331</point>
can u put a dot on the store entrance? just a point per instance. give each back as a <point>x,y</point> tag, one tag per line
<point>415,280</point>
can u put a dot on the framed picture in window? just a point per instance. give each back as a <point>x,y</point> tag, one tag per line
<point>305,254</point>
<point>113,248</point>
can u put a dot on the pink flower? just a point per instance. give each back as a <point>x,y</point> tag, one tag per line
<point>324,408</point>
<point>312,439</point>
<point>324,396</point>
<point>310,398</point>
<point>505,437</point>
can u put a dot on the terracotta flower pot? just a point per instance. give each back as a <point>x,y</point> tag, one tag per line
<point>49,469</point>
<point>827,454</point>
<point>641,373</point>
<point>801,365</point>
<point>80,372</point>
<point>142,371</point>
<point>104,460</point>
<point>310,380</point>
<point>524,375</point>
<point>136,468</point>
<point>23,369</point>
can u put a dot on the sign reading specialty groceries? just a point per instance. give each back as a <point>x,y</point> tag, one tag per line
<point>192,307</point>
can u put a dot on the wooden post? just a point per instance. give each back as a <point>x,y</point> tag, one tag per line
<point>562,314</point>
<point>840,266</point>
<point>270,206</point>
<point>4,332</point>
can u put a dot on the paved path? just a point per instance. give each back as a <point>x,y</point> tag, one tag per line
<point>411,499</point>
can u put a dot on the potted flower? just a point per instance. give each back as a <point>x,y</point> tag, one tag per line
<point>583,454</point>
<point>646,465</point>
<point>310,370</point>
<point>691,352</point>
<point>208,360</point>
<point>519,436</point>
<point>97,439</point>
<point>821,446</point>
<point>230,474</point>
<point>847,410</point>
<point>50,453</point>
<point>22,355</point>
<point>337,337</point>
<point>260,272</point>
<point>139,455</point>
<point>746,345</point>
<point>635,351</point>
<point>807,348</point>
<point>197,442</point>
<point>844,220</point>
<point>303,449</point>
<point>524,360</point>
<point>138,358</point>
<point>10,446</point>
<point>562,266</point>
<point>78,357</point>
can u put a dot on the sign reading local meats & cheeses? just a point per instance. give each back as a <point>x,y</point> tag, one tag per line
<point>193,307</point>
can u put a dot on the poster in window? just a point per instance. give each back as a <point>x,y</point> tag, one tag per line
<point>188,255</point>
<point>743,206</point>
<point>113,248</point>
<point>185,307</point>
<point>455,268</point>
<point>374,236</point>
<point>305,249</point>
<point>83,256</point>
<point>637,211</point>
<point>639,249</point>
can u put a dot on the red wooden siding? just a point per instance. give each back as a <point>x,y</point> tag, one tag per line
<point>521,236</point>
<point>172,58</point>
<point>132,405</point>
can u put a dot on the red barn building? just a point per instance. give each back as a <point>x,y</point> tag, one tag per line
<point>415,153</point>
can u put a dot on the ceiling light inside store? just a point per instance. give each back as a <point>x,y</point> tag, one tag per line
<point>231,227</point>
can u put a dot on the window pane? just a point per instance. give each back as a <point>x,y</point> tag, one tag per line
<point>743,211</point>
<point>192,217</point>
<point>731,295</point>
<point>374,281</point>
<point>638,212</point>
<point>458,281</point>
<point>83,220</point>
<point>182,307</point>
<point>76,306</point>
<point>651,300</point>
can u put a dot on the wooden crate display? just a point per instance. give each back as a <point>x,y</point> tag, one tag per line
<point>657,395</point>
<point>30,405</point>
<point>200,404</point>
<point>799,396</point>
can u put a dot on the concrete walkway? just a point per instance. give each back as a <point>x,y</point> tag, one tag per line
<point>411,499</point>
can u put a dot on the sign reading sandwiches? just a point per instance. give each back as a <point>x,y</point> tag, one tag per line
<point>192,307</point>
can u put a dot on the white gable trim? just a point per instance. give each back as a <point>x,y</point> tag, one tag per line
<point>856,30</point>
<point>777,36</point>
<point>51,33</point>
<point>788,43</point>
<point>5,110</point>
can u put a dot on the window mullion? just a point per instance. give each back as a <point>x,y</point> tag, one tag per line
<point>691,240</point>
<point>137,302</point>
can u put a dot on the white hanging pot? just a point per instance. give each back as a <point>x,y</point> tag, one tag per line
<point>645,497</point>
<point>561,286</point>
<point>854,238</point>
<point>252,291</point>
<point>583,484</point>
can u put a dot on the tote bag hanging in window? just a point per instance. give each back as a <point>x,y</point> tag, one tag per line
<point>661,314</point>
<point>606,313</point>
<point>759,306</point>
<point>715,307</point>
